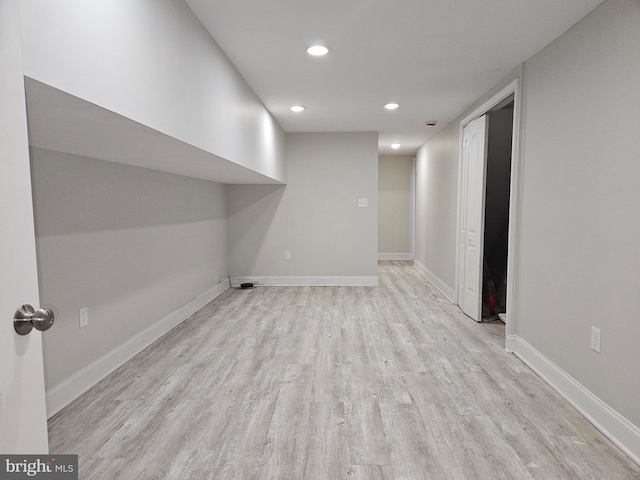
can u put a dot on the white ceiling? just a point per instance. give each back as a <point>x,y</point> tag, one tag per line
<point>433,57</point>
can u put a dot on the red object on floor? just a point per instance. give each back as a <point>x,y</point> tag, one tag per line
<point>491,301</point>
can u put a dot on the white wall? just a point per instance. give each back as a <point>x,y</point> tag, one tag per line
<point>133,245</point>
<point>577,263</point>
<point>436,204</point>
<point>395,174</point>
<point>153,62</point>
<point>315,216</point>
<point>580,210</point>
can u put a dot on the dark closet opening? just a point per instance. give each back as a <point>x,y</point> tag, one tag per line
<point>496,219</point>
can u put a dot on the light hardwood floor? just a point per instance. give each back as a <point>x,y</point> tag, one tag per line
<point>355,383</point>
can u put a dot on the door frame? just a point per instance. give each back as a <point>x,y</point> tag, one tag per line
<point>513,88</point>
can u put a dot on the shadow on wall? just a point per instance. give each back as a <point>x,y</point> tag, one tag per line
<point>250,213</point>
<point>132,245</point>
<point>80,195</point>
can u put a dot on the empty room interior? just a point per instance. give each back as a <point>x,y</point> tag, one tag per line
<point>408,255</point>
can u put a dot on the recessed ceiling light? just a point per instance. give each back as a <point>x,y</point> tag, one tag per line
<point>391,106</point>
<point>317,50</point>
<point>396,145</point>
<point>297,108</point>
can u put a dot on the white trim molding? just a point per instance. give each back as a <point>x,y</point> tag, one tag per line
<point>307,281</point>
<point>436,281</point>
<point>395,256</point>
<point>515,88</point>
<point>614,426</point>
<point>510,343</point>
<point>71,388</point>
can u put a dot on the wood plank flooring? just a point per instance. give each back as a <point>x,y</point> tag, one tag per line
<point>344,383</point>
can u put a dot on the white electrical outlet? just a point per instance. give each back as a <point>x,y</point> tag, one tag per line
<point>595,339</point>
<point>362,203</point>
<point>287,255</point>
<point>84,317</point>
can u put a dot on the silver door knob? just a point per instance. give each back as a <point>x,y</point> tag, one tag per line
<point>26,318</point>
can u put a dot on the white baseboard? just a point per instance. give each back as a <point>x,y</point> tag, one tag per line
<point>68,390</point>
<point>445,289</point>
<point>307,281</point>
<point>395,256</point>
<point>613,425</point>
<point>510,343</point>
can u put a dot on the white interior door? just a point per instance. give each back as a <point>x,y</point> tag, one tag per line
<point>474,168</point>
<point>462,239</point>
<point>23,423</point>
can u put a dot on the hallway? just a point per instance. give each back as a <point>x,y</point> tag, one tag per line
<point>388,382</point>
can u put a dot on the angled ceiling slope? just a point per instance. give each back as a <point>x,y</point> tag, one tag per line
<point>65,123</point>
